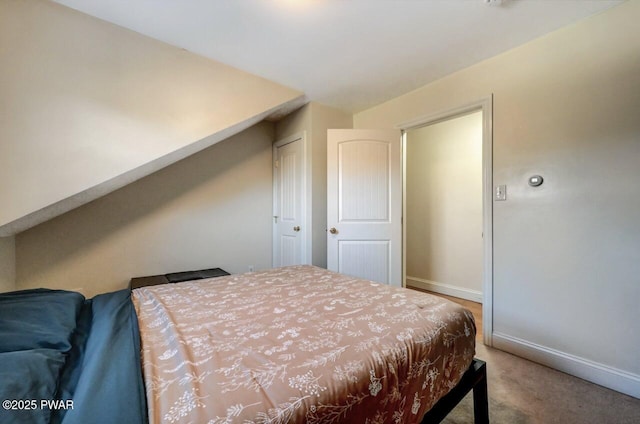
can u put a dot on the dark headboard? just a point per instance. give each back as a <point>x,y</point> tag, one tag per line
<point>176,277</point>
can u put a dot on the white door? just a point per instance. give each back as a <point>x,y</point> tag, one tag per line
<point>364,204</point>
<point>289,203</point>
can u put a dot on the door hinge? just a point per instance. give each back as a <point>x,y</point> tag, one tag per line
<point>277,164</point>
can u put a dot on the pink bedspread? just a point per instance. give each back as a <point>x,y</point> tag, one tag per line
<point>298,344</point>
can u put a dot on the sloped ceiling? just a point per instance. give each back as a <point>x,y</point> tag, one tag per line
<point>349,54</point>
<point>88,107</point>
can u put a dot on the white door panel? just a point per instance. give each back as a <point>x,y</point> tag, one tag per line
<point>363,181</point>
<point>364,202</point>
<point>288,203</point>
<point>289,250</point>
<point>367,259</point>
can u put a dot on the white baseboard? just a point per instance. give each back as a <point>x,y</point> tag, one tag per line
<point>594,372</point>
<point>442,288</point>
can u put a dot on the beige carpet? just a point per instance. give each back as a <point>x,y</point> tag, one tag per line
<point>522,392</point>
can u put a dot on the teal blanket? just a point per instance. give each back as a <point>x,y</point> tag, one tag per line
<point>67,359</point>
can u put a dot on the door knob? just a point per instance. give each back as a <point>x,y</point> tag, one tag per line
<point>333,230</point>
<point>296,228</point>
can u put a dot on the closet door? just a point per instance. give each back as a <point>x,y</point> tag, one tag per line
<point>290,227</point>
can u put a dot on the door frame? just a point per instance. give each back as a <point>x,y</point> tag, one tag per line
<point>484,104</point>
<point>305,219</point>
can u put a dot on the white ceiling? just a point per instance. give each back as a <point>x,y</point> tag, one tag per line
<point>350,54</point>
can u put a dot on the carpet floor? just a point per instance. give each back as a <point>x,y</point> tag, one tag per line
<point>523,392</point>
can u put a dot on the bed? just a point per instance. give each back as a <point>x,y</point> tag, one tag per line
<point>293,344</point>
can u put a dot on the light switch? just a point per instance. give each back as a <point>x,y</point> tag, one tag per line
<point>500,192</point>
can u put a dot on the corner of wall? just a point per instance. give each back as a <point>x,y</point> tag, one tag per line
<point>331,115</point>
<point>297,121</point>
<point>7,264</point>
<point>315,118</point>
<point>322,118</point>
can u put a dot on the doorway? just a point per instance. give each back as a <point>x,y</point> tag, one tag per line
<point>443,214</point>
<point>484,291</point>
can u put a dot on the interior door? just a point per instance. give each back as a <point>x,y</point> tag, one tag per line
<point>288,203</point>
<point>364,204</point>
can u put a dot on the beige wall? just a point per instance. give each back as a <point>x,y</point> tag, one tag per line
<point>444,206</point>
<point>88,106</point>
<point>566,254</point>
<point>7,264</point>
<point>294,123</point>
<point>315,119</point>
<point>322,118</point>
<point>212,209</point>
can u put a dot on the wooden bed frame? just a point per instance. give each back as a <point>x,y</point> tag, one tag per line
<point>474,379</point>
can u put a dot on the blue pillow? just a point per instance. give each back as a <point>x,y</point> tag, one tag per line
<point>38,319</point>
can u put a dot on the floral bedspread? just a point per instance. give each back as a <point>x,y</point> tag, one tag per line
<point>298,345</point>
